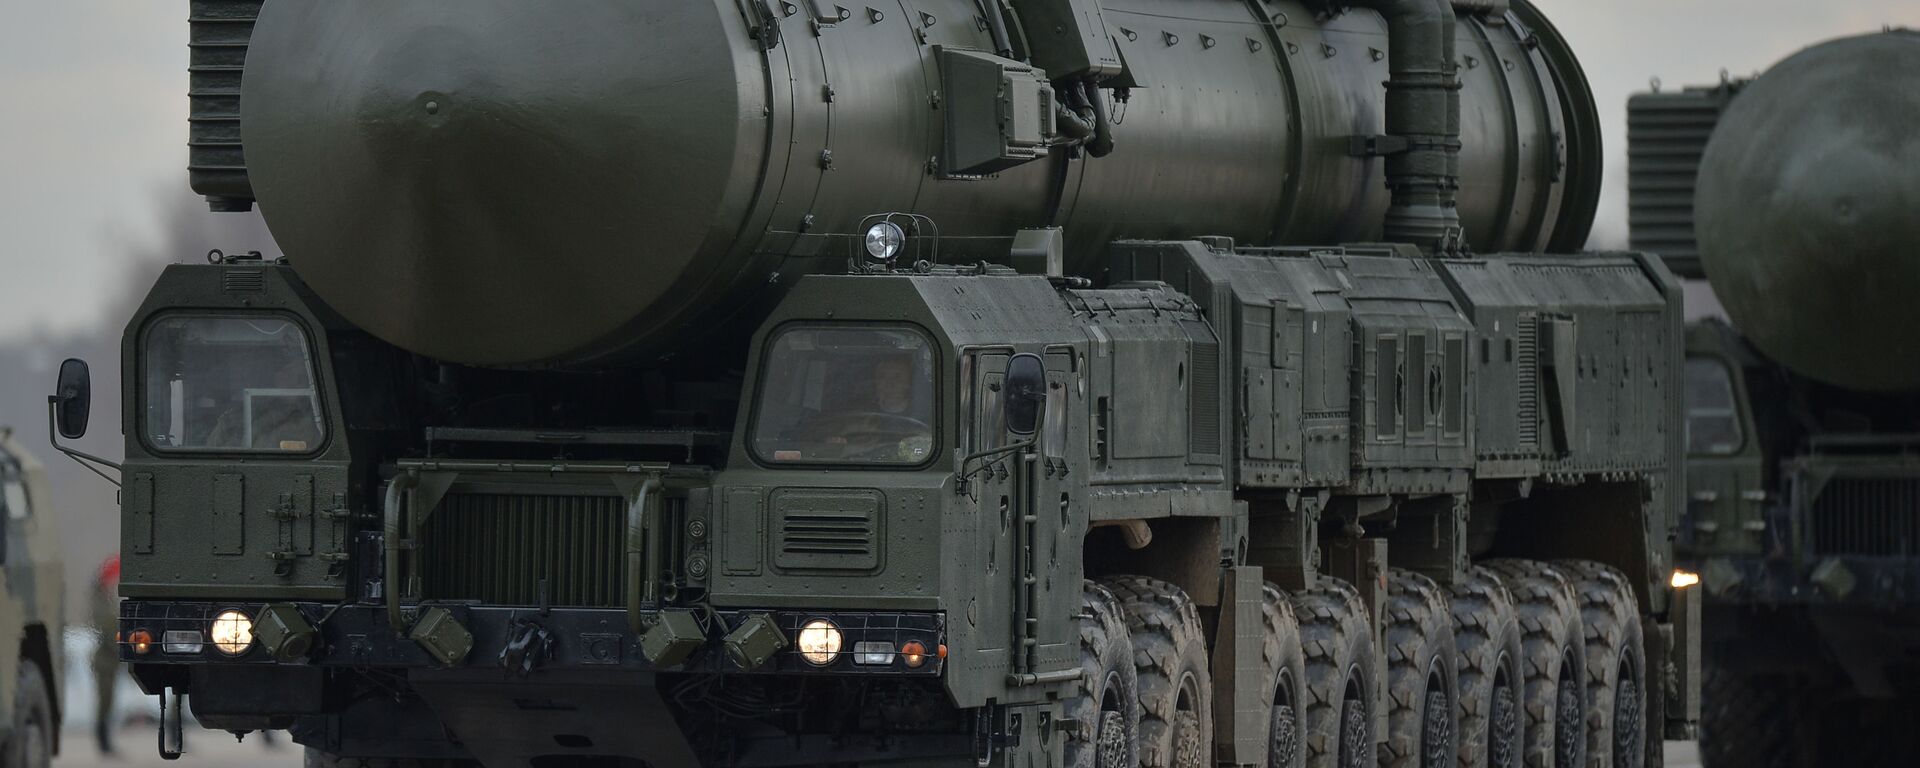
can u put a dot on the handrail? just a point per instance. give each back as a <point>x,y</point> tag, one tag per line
<point>640,552</point>
<point>400,484</point>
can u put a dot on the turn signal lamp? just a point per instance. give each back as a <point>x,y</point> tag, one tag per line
<point>914,653</point>
<point>141,641</point>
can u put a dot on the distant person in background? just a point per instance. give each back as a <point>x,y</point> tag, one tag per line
<point>106,653</point>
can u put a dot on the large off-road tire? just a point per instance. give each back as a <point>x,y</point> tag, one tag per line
<point>319,759</point>
<point>1170,658</point>
<point>1422,677</point>
<point>1486,635</point>
<point>1616,666</point>
<point>1747,722</point>
<point>1105,710</point>
<point>1286,680</point>
<point>31,745</point>
<point>1553,656</point>
<point>1338,641</point>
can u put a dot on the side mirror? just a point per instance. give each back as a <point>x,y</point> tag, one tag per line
<point>73,398</point>
<point>1026,383</point>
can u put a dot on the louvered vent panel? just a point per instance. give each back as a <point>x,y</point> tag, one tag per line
<point>526,550</point>
<point>244,281</point>
<point>827,529</point>
<point>1666,135</point>
<point>1204,423</point>
<point>219,32</point>
<point>1526,381</point>
<point>1203,400</point>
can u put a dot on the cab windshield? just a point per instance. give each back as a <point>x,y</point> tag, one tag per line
<point>230,384</point>
<point>844,395</point>
<point>1713,415</point>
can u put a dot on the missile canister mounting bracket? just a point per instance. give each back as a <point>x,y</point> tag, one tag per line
<point>999,113</point>
<point>1069,38</point>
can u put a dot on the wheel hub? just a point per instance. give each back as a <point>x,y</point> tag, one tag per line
<point>1436,734</point>
<point>1568,718</point>
<point>1186,746</point>
<point>1283,743</point>
<point>1503,730</point>
<point>1627,725</point>
<point>1112,740</point>
<point>1353,735</point>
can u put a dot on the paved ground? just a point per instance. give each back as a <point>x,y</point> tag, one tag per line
<point>1682,754</point>
<point>206,749</point>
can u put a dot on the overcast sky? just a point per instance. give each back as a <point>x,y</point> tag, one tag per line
<point>93,118</point>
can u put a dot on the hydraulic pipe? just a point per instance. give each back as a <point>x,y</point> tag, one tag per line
<point>1422,109</point>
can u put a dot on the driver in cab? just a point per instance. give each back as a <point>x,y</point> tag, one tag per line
<point>881,424</point>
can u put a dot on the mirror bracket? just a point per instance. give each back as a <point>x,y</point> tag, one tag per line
<point>74,388</point>
<point>91,462</point>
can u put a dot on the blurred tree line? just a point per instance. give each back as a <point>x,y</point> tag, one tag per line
<point>85,506</point>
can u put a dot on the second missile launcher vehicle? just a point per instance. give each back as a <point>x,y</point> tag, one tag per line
<point>1793,195</point>
<point>931,382</point>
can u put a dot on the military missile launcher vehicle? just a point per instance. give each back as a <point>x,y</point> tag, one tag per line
<point>1793,195</point>
<point>926,382</point>
<point>32,611</point>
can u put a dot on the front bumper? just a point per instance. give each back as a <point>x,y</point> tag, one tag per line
<point>359,636</point>
<point>1839,580</point>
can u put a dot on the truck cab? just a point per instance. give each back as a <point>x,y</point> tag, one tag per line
<point>32,610</point>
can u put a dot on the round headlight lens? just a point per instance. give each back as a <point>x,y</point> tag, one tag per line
<point>819,642</point>
<point>884,240</point>
<point>231,632</point>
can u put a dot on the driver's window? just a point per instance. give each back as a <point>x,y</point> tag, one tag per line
<point>989,395</point>
<point>1713,414</point>
<point>230,384</point>
<point>846,395</point>
<point>1060,383</point>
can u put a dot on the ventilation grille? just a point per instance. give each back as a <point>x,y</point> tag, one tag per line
<point>523,550</point>
<point>1526,380</point>
<point>1203,417</point>
<point>827,529</point>
<point>1874,517</point>
<point>1667,134</point>
<point>244,281</point>
<point>219,32</point>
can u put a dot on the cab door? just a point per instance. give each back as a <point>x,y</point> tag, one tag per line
<point>1051,523</point>
<point>1726,485</point>
<point>1026,501</point>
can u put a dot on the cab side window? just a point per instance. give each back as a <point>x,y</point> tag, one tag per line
<point>1713,410</point>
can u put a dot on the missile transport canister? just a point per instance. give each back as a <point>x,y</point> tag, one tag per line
<point>1794,194</point>
<point>658,190</point>
<point>1804,212</point>
<point>922,382</point>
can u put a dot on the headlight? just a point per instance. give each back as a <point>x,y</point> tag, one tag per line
<point>819,642</point>
<point>231,632</point>
<point>884,240</point>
